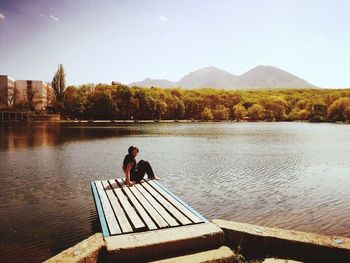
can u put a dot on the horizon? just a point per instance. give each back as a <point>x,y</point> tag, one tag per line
<point>189,88</point>
<point>128,41</point>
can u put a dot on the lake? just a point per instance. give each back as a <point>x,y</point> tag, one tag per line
<point>288,175</point>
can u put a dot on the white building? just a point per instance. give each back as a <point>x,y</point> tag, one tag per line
<point>33,93</point>
<point>7,86</point>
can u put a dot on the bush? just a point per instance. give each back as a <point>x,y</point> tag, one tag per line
<point>256,112</point>
<point>301,115</point>
<point>239,112</point>
<point>221,113</point>
<point>339,110</point>
<point>207,114</point>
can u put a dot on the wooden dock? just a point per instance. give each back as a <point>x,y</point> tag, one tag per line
<point>143,207</point>
<point>148,220</point>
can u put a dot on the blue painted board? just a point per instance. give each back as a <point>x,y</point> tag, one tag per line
<point>100,210</point>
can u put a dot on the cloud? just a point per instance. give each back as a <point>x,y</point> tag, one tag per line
<point>163,18</point>
<point>54,18</point>
<point>2,16</point>
<point>51,17</point>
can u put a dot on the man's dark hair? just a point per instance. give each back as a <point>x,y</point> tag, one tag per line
<point>131,148</point>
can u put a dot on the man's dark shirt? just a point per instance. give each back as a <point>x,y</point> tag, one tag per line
<point>129,159</point>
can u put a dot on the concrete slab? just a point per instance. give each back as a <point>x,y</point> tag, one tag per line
<point>220,255</point>
<point>87,251</point>
<point>161,242</point>
<point>297,245</point>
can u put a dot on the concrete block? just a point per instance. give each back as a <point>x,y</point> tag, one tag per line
<point>277,260</point>
<point>220,255</point>
<point>87,251</point>
<point>260,242</point>
<point>161,242</point>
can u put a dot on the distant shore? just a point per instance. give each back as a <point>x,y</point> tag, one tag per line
<point>159,121</point>
<point>184,121</point>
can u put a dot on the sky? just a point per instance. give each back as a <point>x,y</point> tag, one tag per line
<point>129,40</point>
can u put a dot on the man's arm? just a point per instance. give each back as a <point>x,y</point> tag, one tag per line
<point>127,174</point>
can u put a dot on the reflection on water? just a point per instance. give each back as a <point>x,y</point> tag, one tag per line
<point>291,175</point>
<point>45,134</point>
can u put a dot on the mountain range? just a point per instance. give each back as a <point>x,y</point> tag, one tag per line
<point>212,77</point>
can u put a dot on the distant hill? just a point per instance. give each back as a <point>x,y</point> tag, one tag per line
<point>271,77</point>
<point>161,83</point>
<point>212,77</point>
<point>207,77</point>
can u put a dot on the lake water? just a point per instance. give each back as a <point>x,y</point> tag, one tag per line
<point>288,175</point>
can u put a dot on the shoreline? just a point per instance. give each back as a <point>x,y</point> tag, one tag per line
<point>163,121</point>
<point>29,117</point>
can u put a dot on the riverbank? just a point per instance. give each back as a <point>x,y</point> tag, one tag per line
<point>56,119</point>
<point>243,242</point>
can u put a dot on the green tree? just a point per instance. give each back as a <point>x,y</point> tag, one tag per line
<point>207,114</point>
<point>124,104</point>
<point>58,86</point>
<point>193,106</point>
<point>347,113</point>
<point>85,91</point>
<point>177,109</point>
<point>303,115</point>
<point>147,104</point>
<point>339,110</point>
<point>221,113</point>
<point>304,104</point>
<point>161,109</point>
<point>297,114</point>
<point>275,107</point>
<point>31,95</point>
<point>239,112</point>
<point>256,112</point>
<point>100,104</point>
<point>70,101</point>
<point>249,102</point>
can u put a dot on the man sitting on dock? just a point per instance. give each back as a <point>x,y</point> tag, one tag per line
<point>134,172</point>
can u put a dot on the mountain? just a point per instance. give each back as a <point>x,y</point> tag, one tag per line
<point>147,82</point>
<point>212,77</point>
<point>269,77</point>
<point>207,77</point>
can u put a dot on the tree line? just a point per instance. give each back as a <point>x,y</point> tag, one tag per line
<point>118,101</point>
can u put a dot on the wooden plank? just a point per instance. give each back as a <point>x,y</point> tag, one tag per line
<point>142,212</point>
<point>129,210</point>
<point>182,202</point>
<point>175,202</point>
<point>161,223</point>
<point>108,211</point>
<point>118,210</point>
<point>168,206</point>
<point>134,218</point>
<point>170,220</point>
<point>99,209</point>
